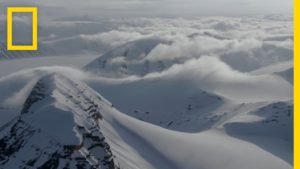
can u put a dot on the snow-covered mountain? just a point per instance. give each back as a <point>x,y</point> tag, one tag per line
<point>129,60</point>
<point>143,89</point>
<point>282,69</point>
<point>59,127</point>
<point>65,124</point>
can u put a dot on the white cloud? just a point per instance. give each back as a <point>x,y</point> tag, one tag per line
<point>188,48</point>
<point>113,38</point>
<point>211,74</point>
<point>245,45</point>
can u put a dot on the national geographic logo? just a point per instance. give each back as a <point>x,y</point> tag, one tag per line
<point>34,12</point>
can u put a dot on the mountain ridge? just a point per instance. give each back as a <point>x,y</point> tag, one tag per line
<point>46,127</point>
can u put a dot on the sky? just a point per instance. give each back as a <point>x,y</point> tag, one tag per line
<point>171,7</point>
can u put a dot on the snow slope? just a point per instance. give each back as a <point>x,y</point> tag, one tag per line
<point>210,149</point>
<point>64,122</point>
<point>282,69</point>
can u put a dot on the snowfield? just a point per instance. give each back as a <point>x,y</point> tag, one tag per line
<point>151,93</point>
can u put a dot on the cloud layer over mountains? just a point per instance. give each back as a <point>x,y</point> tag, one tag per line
<point>217,54</point>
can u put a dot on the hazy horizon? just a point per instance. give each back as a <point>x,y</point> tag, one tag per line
<point>167,8</point>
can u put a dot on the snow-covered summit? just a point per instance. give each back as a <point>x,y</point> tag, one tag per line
<point>59,127</point>
<point>130,59</point>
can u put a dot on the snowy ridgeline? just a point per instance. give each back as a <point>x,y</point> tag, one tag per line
<point>65,124</point>
<point>59,126</point>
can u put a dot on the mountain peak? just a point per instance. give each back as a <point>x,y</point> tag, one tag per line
<point>60,127</point>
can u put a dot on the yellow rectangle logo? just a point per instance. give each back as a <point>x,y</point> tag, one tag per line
<point>10,11</point>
